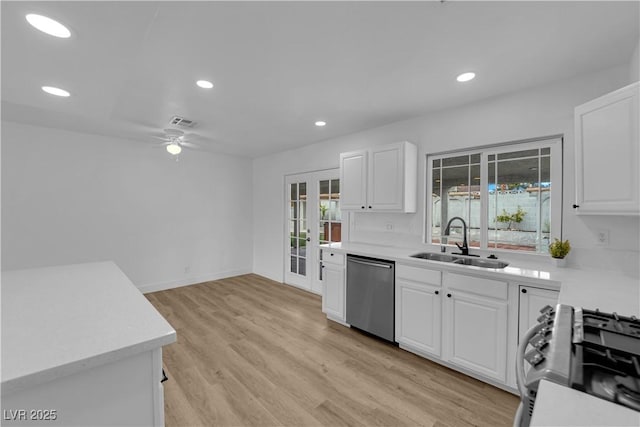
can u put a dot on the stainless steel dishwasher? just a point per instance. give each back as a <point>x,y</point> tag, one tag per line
<point>370,295</point>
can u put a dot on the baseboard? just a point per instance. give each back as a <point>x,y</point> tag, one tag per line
<point>162,286</point>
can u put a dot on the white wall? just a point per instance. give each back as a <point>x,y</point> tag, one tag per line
<point>531,113</point>
<point>72,198</point>
<point>634,65</point>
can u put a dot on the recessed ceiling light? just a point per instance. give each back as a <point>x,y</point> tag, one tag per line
<point>320,123</point>
<point>465,77</point>
<point>48,25</point>
<point>204,84</point>
<point>55,91</point>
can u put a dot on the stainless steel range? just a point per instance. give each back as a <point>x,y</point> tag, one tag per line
<point>594,352</point>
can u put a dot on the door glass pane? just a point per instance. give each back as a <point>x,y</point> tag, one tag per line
<point>294,245</point>
<point>335,189</point>
<point>302,206</point>
<point>297,227</point>
<point>330,217</point>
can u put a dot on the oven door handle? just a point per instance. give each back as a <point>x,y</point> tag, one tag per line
<point>520,375</point>
<point>522,348</point>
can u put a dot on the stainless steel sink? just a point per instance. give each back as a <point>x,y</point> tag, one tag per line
<point>476,262</point>
<point>479,262</point>
<point>434,256</point>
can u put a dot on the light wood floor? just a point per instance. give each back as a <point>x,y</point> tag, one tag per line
<point>253,352</point>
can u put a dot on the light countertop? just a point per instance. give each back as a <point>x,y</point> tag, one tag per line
<point>606,290</point>
<point>59,320</point>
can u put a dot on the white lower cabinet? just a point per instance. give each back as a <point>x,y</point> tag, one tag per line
<point>530,302</point>
<point>477,332</point>
<point>419,309</point>
<point>461,320</point>
<point>333,286</point>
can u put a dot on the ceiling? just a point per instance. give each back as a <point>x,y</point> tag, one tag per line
<point>278,67</point>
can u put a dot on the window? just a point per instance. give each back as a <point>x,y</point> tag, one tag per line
<point>504,194</point>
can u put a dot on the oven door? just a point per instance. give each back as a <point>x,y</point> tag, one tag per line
<point>527,392</point>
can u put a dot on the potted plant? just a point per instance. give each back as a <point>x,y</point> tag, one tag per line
<point>559,250</point>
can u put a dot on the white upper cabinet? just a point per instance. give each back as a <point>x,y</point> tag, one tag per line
<point>380,179</point>
<point>607,139</point>
<point>353,179</point>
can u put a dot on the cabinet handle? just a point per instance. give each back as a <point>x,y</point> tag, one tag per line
<point>437,292</point>
<point>524,291</point>
<point>369,207</point>
<point>448,295</point>
<point>362,207</point>
<point>576,206</point>
<point>331,254</point>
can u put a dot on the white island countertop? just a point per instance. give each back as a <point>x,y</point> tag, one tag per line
<point>60,320</point>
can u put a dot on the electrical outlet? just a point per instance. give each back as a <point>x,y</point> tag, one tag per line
<point>602,237</point>
<point>389,226</point>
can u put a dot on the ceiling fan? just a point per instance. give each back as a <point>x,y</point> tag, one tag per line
<point>174,141</point>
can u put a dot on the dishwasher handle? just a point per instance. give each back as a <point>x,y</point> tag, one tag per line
<point>369,263</point>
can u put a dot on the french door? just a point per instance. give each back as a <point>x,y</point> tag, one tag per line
<point>312,217</point>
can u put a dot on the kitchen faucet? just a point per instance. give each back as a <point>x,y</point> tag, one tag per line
<point>464,249</point>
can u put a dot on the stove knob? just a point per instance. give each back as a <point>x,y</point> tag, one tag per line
<point>544,331</point>
<point>547,309</point>
<point>545,318</point>
<point>534,357</point>
<point>541,344</point>
<point>537,359</point>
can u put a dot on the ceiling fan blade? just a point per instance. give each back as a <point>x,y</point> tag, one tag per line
<point>189,145</point>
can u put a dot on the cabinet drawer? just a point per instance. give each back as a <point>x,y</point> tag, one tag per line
<point>477,285</point>
<point>418,274</point>
<point>332,257</point>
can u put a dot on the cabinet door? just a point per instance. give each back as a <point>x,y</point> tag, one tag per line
<point>476,334</point>
<point>418,316</point>
<point>531,301</point>
<point>353,179</point>
<point>386,189</point>
<point>607,154</point>
<point>333,292</point>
